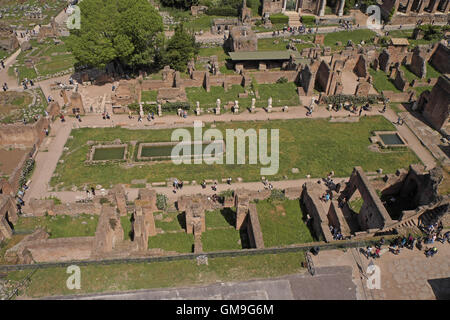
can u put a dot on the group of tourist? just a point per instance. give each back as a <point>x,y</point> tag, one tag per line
<point>336,232</point>
<point>90,192</point>
<point>26,82</point>
<point>373,252</point>
<point>182,113</point>
<point>267,184</point>
<point>19,198</point>
<point>106,116</point>
<point>177,185</point>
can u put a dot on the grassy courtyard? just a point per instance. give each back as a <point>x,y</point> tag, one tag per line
<point>134,276</point>
<point>281,223</point>
<point>313,146</point>
<point>43,59</point>
<point>381,81</point>
<point>62,226</point>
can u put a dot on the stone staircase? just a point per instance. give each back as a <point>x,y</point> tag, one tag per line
<point>422,217</point>
<point>294,19</point>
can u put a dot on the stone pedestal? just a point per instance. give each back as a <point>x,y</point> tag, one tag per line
<point>236,107</point>
<point>159,110</point>
<point>217,106</point>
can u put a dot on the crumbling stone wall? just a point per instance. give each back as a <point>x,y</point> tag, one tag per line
<point>23,135</point>
<point>418,64</point>
<point>311,199</point>
<point>400,81</point>
<point>373,214</point>
<point>109,230</point>
<point>8,216</point>
<point>195,218</point>
<point>440,58</point>
<point>361,67</point>
<point>437,110</point>
<point>254,228</point>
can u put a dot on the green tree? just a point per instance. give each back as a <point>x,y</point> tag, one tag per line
<point>181,48</point>
<point>127,32</point>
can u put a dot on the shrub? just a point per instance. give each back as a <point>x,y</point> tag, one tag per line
<point>174,106</point>
<point>26,172</point>
<point>226,193</point>
<point>104,200</point>
<point>279,18</point>
<point>277,195</point>
<point>161,201</point>
<point>308,20</point>
<point>282,80</point>
<point>224,11</point>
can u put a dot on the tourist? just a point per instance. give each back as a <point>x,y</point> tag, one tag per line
<point>46,131</point>
<point>129,115</point>
<point>180,184</point>
<point>203,184</point>
<point>149,117</point>
<point>229,180</point>
<point>108,117</point>
<point>77,115</point>
<point>88,193</point>
<point>430,252</point>
<point>104,116</point>
<point>62,118</point>
<point>360,111</point>
<point>31,83</point>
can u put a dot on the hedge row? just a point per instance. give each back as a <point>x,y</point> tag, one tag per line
<point>279,18</point>
<point>308,20</point>
<point>167,107</point>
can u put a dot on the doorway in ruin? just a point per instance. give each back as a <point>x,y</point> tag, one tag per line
<point>396,203</point>
<point>291,5</point>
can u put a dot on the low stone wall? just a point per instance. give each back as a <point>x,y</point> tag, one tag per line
<point>23,135</point>
<point>108,146</point>
<point>399,97</point>
<point>61,249</point>
<point>41,207</point>
<point>254,228</point>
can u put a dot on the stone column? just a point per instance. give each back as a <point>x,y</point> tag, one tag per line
<point>322,8</point>
<point>159,110</point>
<point>341,8</point>
<point>409,5</point>
<point>252,109</point>
<point>421,6</point>
<point>218,106</point>
<point>445,7</point>
<point>284,5</point>
<point>434,6</point>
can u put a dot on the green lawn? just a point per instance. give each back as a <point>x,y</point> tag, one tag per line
<point>62,226</point>
<point>431,73</point>
<point>134,276</point>
<point>173,221</point>
<point>3,54</point>
<point>49,58</point>
<point>419,90</point>
<point>214,51</point>
<point>180,242</point>
<point>149,95</point>
<point>282,94</point>
<point>281,223</point>
<point>125,221</point>
<point>220,219</point>
<point>221,239</point>
<point>313,146</point>
<point>381,81</point>
<point>355,36</point>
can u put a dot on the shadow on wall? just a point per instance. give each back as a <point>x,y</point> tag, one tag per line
<point>441,288</point>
